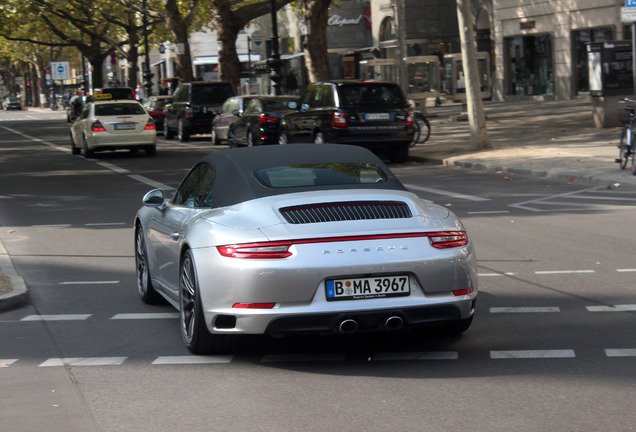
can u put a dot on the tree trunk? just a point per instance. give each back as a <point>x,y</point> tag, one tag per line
<point>179,29</point>
<point>227,32</point>
<point>476,116</point>
<point>315,46</point>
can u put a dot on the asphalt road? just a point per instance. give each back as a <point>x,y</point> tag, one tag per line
<point>552,347</point>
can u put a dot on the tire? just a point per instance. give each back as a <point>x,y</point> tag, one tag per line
<point>194,332</point>
<point>425,129</point>
<point>144,285</point>
<point>215,138</point>
<point>88,154</point>
<point>250,139</point>
<point>624,147</point>
<point>151,150</point>
<point>182,132</point>
<point>319,138</point>
<point>74,150</point>
<point>230,139</point>
<point>283,138</point>
<point>167,132</point>
<point>399,154</point>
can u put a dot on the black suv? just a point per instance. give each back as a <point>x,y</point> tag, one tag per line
<point>193,107</point>
<point>371,114</point>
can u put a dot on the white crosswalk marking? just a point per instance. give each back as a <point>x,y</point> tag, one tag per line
<point>501,310</point>
<point>143,316</point>
<point>532,354</point>
<point>84,361</point>
<point>7,362</point>
<point>61,317</point>
<point>441,355</point>
<point>184,360</point>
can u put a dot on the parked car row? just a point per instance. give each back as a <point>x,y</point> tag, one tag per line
<point>370,114</point>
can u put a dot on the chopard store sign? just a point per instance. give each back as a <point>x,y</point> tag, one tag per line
<point>337,20</point>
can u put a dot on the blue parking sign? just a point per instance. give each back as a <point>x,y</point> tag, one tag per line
<point>630,3</point>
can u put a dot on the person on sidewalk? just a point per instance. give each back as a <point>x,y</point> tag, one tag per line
<point>139,94</point>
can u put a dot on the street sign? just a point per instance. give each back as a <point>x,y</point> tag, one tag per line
<point>258,43</point>
<point>60,71</point>
<point>630,3</point>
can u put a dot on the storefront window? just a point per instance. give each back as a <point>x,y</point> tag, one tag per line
<point>529,65</point>
<point>580,39</point>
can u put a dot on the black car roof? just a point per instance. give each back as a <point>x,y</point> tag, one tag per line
<point>234,169</point>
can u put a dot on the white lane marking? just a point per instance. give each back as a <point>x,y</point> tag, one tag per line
<point>106,165</point>
<point>624,352</point>
<point>84,361</point>
<point>547,272</point>
<point>446,193</point>
<point>60,317</point>
<point>189,360</point>
<point>548,309</point>
<point>7,362</point>
<point>625,270</point>
<point>288,358</point>
<point>106,224</point>
<point>442,355</point>
<point>615,308</point>
<point>495,274</point>
<point>141,316</point>
<point>51,226</point>
<point>150,182</point>
<point>523,205</point>
<point>115,168</point>
<point>88,283</point>
<point>532,354</point>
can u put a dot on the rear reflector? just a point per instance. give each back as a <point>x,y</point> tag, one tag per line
<point>254,305</point>
<point>463,292</point>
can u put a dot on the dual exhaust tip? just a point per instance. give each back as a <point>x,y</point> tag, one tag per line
<point>348,326</point>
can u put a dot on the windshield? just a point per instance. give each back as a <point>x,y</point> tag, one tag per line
<point>118,109</point>
<point>202,95</point>
<point>371,94</point>
<point>320,175</point>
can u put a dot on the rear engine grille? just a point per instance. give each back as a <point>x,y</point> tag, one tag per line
<point>332,212</point>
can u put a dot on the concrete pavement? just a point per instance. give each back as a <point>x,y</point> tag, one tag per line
<point>554,139</point>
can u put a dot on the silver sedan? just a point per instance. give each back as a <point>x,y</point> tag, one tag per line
<point>112,125</point>
<point>283,240</point>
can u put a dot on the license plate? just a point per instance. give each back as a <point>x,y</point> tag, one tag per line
<point>125,126</point>
<point>377,116</point>
<point>367,288</point>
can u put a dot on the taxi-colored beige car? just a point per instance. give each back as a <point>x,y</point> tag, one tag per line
<point>108,124</point>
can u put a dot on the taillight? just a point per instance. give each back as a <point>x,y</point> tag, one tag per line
<point>156,113</point>
<point>445,240</point>
<point>266,119</point>
<point>339,120</point>
<point>266,250</point>
<point>281,249</point>
<point>98,127</point>
<point>410,118</point>
<point>150,125</point>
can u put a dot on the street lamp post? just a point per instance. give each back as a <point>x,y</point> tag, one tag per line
<point>275,62</point>
<point>147,74</point>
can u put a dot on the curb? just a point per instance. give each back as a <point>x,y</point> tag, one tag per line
<point>18,293</point>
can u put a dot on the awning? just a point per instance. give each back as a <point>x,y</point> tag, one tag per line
<point>243,58</point>
<point>157,63</point>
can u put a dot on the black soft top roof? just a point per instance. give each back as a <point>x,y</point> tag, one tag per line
<point>234,169</point>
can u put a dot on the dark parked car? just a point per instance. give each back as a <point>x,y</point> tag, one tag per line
<point>260,121</point>
<point>155,105</point>
<point>231,109</point>
<point>193,107</point>
<point>372,114</point>
<point>11,103</point>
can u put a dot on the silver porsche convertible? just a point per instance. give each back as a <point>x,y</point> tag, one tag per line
<point>283,240</point>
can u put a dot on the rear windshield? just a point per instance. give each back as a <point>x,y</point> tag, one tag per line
<point>371,94</point>
<point>320,175</point>
<point>118,109</point>
<point>278,105</point>
<point>202,95</point>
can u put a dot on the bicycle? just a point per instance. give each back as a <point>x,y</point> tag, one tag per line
<point>422,129</point>
<point>626,145</point>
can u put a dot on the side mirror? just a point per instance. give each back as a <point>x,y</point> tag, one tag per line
<point>155,198</point>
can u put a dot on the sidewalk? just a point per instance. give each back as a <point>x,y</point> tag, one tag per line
<point>549,139</point>
<point>555,139</point>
